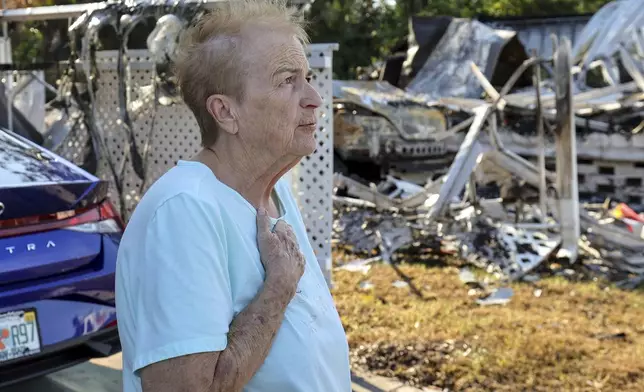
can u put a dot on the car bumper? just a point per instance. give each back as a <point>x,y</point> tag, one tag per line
<point>75,313</point>
<point>60,356</point>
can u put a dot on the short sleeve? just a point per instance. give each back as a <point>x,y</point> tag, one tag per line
<point>184,303</point>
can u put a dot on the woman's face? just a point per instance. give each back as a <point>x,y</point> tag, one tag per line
<point>277,116</point>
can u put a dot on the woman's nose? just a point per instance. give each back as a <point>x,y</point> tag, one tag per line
<point>311,98</point>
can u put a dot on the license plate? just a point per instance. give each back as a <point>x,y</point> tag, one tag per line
<point>19,334</point>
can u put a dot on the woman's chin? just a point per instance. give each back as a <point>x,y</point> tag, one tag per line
<point>305,145</point>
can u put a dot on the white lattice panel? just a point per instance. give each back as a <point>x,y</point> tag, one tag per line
<point>312,179</point>
<point>175,135</point>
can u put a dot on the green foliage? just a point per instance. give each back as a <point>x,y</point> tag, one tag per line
<point>30,39</point>
<point>364,29</point>
<point>368,30</point>
<point>26,44</point>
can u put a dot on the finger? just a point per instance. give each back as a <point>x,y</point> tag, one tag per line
<point>281,229</point>
<point>283,237</point>
<point>281,226</point>
<point>287,232</point>
<point>263,223</point>
<point>291,233</point>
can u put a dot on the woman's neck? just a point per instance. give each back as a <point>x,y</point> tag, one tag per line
<point>253,178</point>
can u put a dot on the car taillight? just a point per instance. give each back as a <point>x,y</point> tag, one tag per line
<point>111,324</point>
<point>98,219</point>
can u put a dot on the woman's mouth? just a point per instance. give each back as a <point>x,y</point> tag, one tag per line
<point>308,126</point>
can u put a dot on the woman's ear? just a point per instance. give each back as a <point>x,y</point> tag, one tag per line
<point>222,110</point>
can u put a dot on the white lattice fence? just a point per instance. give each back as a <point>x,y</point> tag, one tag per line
<point>312,179</point>
<point>175,135</point>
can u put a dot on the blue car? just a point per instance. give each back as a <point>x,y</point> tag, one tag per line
<point>59,236</point>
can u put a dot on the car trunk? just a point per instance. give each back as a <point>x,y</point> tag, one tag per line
<point>34,181</point>
<point>52,213</point>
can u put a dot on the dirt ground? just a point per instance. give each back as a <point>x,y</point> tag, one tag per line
<point>554,334</point>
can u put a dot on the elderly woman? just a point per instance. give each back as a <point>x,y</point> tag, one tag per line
<point>218,288</point>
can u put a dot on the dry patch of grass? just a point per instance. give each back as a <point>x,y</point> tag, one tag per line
<point>573,337</point>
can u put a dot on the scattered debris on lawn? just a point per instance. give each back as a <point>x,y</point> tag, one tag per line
<point>400,284</point>
<point>499,296</point>
<point>561,333</point>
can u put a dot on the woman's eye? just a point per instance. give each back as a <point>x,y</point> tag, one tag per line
<point>289,80</point>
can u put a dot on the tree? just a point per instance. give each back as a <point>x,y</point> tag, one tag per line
<point>37,41</point>
<point>364,30</point>
<point>368,30</point>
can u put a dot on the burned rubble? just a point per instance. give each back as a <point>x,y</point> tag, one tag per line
<point>513,181</point>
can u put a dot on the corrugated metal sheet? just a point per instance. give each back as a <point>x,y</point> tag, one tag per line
<point>534,33</point>
<point>446,72</point>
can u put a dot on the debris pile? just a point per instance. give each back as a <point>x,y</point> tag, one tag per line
<point>411,126</point>
<point>499,209</point>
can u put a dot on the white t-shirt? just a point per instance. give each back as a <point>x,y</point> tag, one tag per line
<point>188,263</point>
